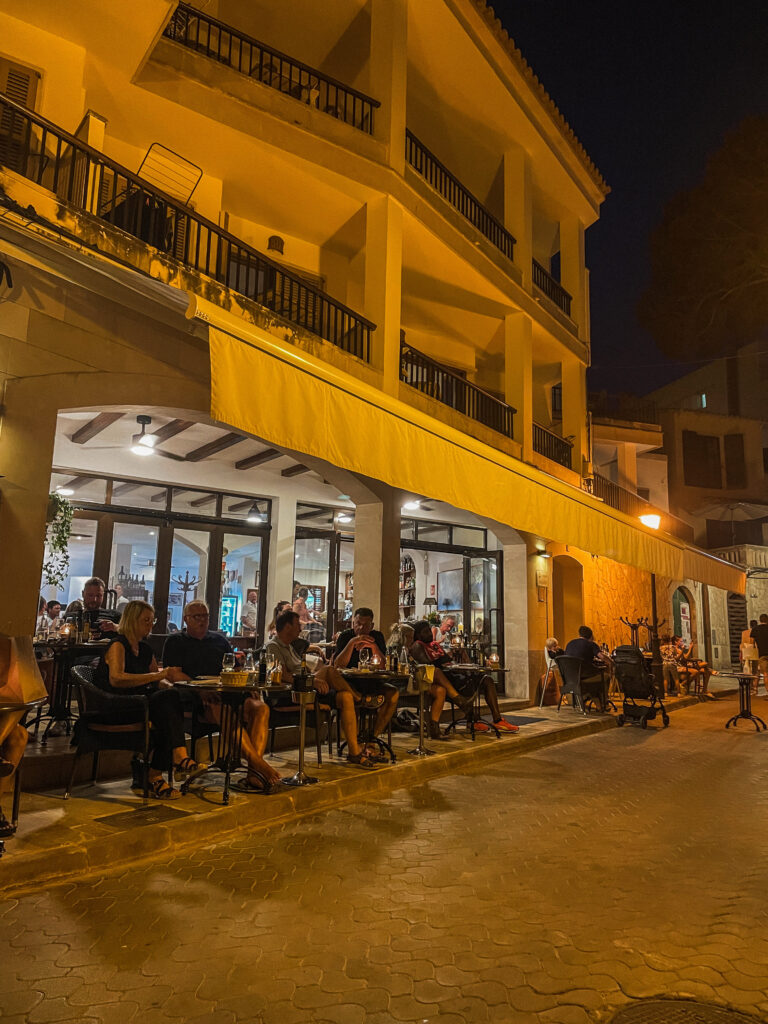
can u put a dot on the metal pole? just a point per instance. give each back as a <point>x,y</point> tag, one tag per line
<point>301,778</point>
<point>656,662</point>
<point>421,750</point>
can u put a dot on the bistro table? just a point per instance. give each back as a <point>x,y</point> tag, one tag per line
<point>370,685</point>
<point>475,673</point>
<point>228,757</point>
<point>746,679</point>
<point>65,655</point>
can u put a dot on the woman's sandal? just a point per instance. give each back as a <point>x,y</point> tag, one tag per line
<point>374,754</point>
<point>185,767</point>
<point>360,760</point>
<point>255,782</point>
<point>160,790</point>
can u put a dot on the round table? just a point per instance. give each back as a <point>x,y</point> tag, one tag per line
<point>746,679</point>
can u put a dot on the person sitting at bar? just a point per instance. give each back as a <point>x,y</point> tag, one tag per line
<point>442,633</point>
<point>330,685</point>
<point>129,667</point>
<point>53,611</point>
<point>594,660</point>
<point>456,686</point>
<point>199,652</point>
<point>346,654</point>
<point>90,607</point>
<point>272,627</point>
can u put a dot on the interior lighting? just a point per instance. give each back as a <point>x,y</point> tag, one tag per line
<point>651,519</point>
<point>342,517</point>
<point>411,506</point>
<point>254,515</point>
<point>143,443</point>
<point>342,497</point>
<point>543,553</point>
<point>65,492</point>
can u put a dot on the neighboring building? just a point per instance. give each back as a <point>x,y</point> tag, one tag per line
<point>343,279</point>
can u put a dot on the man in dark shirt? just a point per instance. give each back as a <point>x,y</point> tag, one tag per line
<point>90,607</point>
<point>760,635</point>
<point>587,651</point>
<point>199,652</point>
<point>347,655</point>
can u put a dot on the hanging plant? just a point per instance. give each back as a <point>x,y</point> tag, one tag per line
<point>56,565</point>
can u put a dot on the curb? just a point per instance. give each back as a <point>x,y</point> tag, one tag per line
<point>59,865</point>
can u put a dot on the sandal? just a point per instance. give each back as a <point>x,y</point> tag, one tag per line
<point>360,760</point>
<point>160,790</point>
<point>255,782</point>
<point>186,766</point>
<point>6,828</point>
<point>375,755</point>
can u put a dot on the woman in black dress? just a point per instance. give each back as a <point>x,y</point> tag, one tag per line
<point>129,667</point>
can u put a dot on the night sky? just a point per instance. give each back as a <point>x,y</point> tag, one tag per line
<point>650,89</point>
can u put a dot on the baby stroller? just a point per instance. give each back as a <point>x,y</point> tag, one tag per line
<point>637,683</point>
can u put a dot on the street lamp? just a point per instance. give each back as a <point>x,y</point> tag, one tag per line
<point>652,520</point>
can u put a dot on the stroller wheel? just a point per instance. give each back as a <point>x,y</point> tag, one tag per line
<point>643,723</point>
<point>665,720</point>
<point>620,720</point>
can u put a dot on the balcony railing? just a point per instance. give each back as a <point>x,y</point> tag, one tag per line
<point>83,177</point>
<point>429,377</point>
<point>451,189</point>
<point>551,288</point>
<point>632,504</point>
<point>552,446</point>
<point>214,39</point>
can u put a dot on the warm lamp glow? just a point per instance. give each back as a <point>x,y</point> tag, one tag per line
<point>651,520</point>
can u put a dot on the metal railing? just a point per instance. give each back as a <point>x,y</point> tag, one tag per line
<point>83,177</point>
<point>429,377</point>
<point>204,34</point>
<point>451,189</point>
<point>552,446</point>
<point>632,504</point>
<point>551,288</point>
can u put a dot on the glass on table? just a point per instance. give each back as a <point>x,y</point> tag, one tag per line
<point>228,662</point>
<point>365,657</point>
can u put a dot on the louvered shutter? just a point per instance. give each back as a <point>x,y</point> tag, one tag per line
<point>20,85</point>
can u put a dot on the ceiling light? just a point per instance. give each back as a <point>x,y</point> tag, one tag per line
<point>342,497</point>
<point>651,520</point>
<point>541,552</point>
<point>65,492</point>
<point>342,517</point>
<point>255,516</point>
<point>143,443</point>
<point>411,506</point>
<point>319,550</point>
<point>151,533</point>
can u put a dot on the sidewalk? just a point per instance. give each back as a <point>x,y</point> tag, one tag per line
<point>105,825</point>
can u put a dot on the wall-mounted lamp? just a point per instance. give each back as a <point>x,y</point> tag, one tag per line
<point>543,553</point>
<point>651,519</point>
<point>276,244</point>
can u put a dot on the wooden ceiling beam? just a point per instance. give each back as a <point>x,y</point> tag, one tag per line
<point>295,470</point>
<point>171,429</point>
<point>94,426</point>
<point>77,482</point>
<point>205,500</point>
<point>318,511</point>
<point>259,459</point>
<point>214,447</point>
<point>125,488</point>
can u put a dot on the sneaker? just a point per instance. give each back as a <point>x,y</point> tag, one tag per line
<point>504,726</point>
<point>481,727</point>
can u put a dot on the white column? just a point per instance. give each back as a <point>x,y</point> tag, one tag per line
<point>626,466</point>
<point>573,271</point>
<point>389,74</point>
<point>518,376</point>
<point>377,555</point>
<point>575,410</point>
<point>383,283</point>
<point>518,209</point>
<point>282,541</point>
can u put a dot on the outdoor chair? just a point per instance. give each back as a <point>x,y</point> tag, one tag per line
<point>549,678</point>
<point>102,725</point>
<point>570,672</point>
<point>288,715</point>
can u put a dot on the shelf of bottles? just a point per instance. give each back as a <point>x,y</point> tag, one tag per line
<point>407,586</point>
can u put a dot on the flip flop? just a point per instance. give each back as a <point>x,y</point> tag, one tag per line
<point>263,787</point>
<point>360,760</point>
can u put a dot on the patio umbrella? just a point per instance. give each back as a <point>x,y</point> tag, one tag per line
<point>734,512</point>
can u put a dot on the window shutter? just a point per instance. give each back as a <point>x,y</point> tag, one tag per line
<point>20,85</point>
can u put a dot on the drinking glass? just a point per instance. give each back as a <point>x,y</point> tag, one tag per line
<point>365,657</point>
<point>228,663</point>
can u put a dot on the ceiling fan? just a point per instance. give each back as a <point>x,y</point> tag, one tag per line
<point>144,443</point>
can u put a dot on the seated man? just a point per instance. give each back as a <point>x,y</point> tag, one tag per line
<point>458,687</point>
<point>329,683</point>
<point>199,652</point>
<point>90,607</point>
<point>691,667</point>
<point>670,656</point>
<point>347,655</point>
<point>594,662</point>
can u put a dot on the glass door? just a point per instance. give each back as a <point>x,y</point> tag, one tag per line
<point>241,605</point>
<point>315,581</point>
<point>484,608</point>
<point>133,562</point>
<point>188,572</point>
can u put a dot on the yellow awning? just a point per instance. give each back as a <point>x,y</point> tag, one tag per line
<point>255,379</point>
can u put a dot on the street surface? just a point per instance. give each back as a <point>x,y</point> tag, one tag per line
<point>555,886</point>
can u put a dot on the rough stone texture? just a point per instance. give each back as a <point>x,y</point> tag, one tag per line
<point>557,886</point>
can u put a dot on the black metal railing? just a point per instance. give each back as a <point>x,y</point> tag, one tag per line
<point>81,176</point>
<point>552,446</point>
<point>429,377</point>
<point>551,288</point>
<point>451,189</point>
<point>214,39</point>
<point>619,497</point>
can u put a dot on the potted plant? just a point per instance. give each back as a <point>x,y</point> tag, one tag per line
<point>59,519</point>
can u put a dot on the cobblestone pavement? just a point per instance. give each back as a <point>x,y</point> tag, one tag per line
<point>553,887</point>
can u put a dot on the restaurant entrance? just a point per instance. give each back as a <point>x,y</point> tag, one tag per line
<point>324,565</point>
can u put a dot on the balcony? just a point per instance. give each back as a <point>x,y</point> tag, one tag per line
<point>552,446</point>
<point>633,505</point>
<point>460,198</point>
<point>434,380</point>
<point>199,32</point>
<point>553,290</point>
<point>85,179</point>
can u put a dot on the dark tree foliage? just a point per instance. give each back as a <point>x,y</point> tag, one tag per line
<point>709,256</point>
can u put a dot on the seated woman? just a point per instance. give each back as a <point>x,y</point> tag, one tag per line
<point>426,651</point>
<point>129,667</point>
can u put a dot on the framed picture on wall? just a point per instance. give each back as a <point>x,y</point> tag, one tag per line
<point>450,590</point>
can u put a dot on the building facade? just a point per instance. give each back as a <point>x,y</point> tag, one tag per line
<point>337,258</point>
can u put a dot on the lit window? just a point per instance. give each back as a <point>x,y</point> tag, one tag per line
<point>703,400</point>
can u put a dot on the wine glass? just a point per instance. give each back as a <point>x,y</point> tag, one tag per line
<point>365,657</point>
<point>228,662</point>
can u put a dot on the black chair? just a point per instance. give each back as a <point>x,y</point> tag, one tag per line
<point>109,721</point>
<point>288,715</point>
<point>570,672</point>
